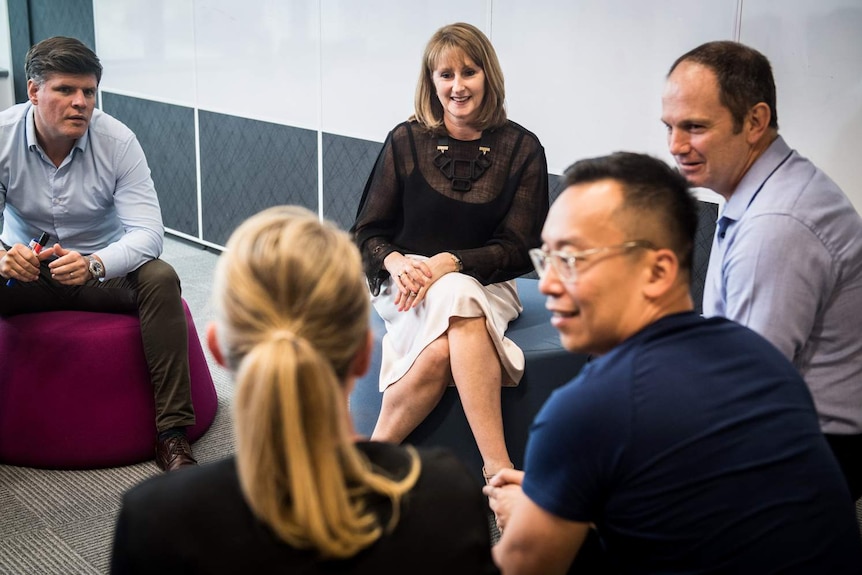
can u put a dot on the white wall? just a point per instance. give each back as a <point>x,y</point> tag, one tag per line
<point>585,75</point>
<point>590,80</point>
<point>370,58</point>
<point>816,54</point>
<point>148,48</point>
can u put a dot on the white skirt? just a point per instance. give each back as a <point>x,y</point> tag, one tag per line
<point>453,295</point>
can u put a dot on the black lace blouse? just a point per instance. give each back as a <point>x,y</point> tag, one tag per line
<point>410,206</point>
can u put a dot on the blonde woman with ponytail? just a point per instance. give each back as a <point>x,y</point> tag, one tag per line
<point>302,493</point>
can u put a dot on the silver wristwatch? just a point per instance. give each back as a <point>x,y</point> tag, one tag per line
<point>97,270</point>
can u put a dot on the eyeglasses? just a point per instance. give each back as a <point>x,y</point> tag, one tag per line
<point>565,263</point>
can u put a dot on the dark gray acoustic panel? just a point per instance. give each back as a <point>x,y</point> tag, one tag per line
<point>167,135</point>
<point>248,165</point>
<point>72,18</point>
<point>555,186</point>
<point>19,36</point>
<point>31,21</point>
<point>707,216</point>
<point>347,163</point>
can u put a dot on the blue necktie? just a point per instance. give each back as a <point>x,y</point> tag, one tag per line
<point>723,222</point>
<point>713,303</point>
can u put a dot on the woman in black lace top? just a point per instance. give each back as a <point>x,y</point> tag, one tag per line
<point>456,198</point>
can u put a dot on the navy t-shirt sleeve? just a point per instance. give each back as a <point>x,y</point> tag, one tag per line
<point>575,446</point>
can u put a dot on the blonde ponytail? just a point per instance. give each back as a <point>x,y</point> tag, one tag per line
<point>293,313</point>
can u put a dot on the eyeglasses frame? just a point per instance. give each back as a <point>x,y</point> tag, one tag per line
<point>569,273</point>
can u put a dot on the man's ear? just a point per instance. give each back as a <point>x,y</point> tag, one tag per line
<point>662,274</point>
<point>757,122</point>
<point>212,344</point>
<point>362,360</point>
<point>32,92</point>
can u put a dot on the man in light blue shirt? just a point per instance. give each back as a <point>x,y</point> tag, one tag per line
<point>79,175</point>
<point>786,260</point>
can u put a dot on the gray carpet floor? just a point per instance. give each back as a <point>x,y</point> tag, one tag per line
<point>62,522</point>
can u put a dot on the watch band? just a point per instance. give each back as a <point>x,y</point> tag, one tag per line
<point>459,265</point>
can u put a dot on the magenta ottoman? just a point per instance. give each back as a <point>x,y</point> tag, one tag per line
<point>75,391</point>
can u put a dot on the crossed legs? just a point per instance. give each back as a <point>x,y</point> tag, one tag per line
<point>465,354</point>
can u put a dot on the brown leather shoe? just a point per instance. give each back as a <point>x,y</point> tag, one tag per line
<point>174,453</point>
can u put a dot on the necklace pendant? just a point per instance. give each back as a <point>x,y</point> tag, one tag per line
<point>462,173</point>
<point>444,164</point>
<point>481,164</point>
<point>461,185</point>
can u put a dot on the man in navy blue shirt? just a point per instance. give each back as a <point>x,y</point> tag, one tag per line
<point>691,445</point>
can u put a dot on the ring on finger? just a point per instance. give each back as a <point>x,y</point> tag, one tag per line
<point>413,294</point>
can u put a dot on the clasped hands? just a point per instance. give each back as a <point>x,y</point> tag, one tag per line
<point>504,492</point>
<point>413,277</point>
<point>22,264</point>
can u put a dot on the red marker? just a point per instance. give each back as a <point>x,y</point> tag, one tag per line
<point>36,246</point>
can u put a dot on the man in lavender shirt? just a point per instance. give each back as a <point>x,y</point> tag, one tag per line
<point>79,175</point>
<point>786,260</point>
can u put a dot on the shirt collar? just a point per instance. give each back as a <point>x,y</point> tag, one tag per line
<point>755,177</point>
<point>33,142</point>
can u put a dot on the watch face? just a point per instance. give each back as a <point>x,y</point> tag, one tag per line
<point>96,268</point>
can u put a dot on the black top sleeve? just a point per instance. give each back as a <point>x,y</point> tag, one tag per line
<point>409,206</point>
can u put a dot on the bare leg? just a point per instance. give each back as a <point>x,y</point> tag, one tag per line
<point>477,373</point>
<point>408,401</point>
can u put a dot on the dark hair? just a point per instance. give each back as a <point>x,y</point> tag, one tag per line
<point>61,55</point>
<point>744,77</point>
<point>652,192</point>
